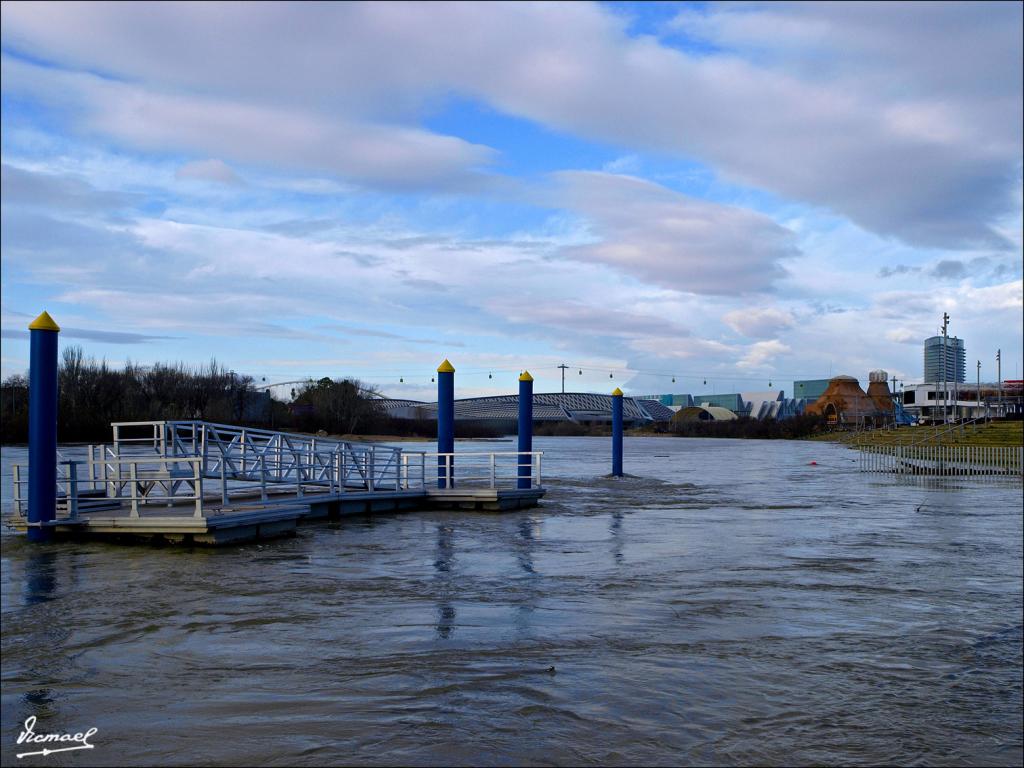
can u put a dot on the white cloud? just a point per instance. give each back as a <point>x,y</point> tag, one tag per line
<point>673,240</point>
<point>386,155</point>
<point>1007,296</point>
<point>909,129</point>
<point>834,104</point>
<point>763,353</point>
<point>903,336</point>
<point>208,170</point>
<point>759,322</point>
<point>57,192</point>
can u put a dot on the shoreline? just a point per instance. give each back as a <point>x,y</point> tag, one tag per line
<point>996,433</point>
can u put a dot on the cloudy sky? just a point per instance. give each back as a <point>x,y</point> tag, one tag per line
<point>738,194</point>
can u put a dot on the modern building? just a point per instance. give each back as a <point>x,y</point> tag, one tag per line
<point>657,410</point>
<point>590,408</point>
<point>772,404</point>
<point>733,401</point>
<point>809,389</point>
<point>954,369</point>
<point>708,413</point>
<point>503,410</point>
<point>670,401</point>
<point>929,404</point>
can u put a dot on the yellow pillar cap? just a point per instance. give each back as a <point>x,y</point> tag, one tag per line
<point>446,367</point>
<point>44,323</point>
<point>617,392</point>
<point>525,376</point>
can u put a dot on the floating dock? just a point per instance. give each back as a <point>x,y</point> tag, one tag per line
<point>196,482</point>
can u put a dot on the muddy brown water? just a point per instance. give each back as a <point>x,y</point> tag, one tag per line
<point>727,604</point>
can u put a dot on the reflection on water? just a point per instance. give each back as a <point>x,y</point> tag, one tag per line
<point>616,529</point>
<point>728,603</point>
<point>40,579</point>
<point>523,554</point>
<point>444,563</point>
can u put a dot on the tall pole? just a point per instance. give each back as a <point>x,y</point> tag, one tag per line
<point>945,386</point>
<point>42,428</point>
<point>956,379</point>
<point>999,378</point>
<point>979,389</point>
<point>617,433</point>
<point>525,429</point>
<point>896,402</point>
<point>446,425</point>
<point>563,366</point>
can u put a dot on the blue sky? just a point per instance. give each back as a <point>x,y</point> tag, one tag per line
<point>738,194</point>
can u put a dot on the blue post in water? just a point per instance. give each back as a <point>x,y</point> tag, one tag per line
<point>42,426</point>
<point>445,424</point>
<point>617,433</point>
<point>525,429</point>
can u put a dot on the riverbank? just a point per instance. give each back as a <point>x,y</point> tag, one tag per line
<point>795,428</point>
<point>993,434</point>
<point>414,439</point>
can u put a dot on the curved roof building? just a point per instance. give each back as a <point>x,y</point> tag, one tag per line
<point>705,413</point>
<point>553,406</point>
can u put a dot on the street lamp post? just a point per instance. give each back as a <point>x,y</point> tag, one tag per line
<point>945,381</point>
<point>977,398</point>
<point>999,378</point>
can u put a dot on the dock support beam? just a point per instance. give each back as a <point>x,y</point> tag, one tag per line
<point>42,427</point>
<point>617,433</point>
<point>446,424</point>
<point>525,430</point>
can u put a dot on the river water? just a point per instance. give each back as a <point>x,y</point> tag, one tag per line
<point>728,603</point>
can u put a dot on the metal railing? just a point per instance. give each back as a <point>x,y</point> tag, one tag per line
<point>907,436</point>
<point>973,423</point>
<point>93,486</point>
<point>943,460</point>
<point>263,456</point>
<point>167,464</point>
<point>476,470</point>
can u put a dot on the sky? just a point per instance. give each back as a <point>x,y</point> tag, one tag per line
<point>664,197</point>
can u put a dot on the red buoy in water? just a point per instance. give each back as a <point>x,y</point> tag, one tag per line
<point>814,463</point>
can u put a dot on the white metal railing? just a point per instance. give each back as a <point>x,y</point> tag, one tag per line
<point>92,486</point>
<point>167,465</point>
<point>264,456</point>
<point>943,460</point>
<point>474,470</point>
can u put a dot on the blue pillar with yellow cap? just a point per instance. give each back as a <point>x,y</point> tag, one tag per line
<point>525,429</point>
<point>42,427</point>
<point>446,424</point>
<point>617,433</point>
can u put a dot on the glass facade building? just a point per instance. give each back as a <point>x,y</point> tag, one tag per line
<point>810,389</point>
<point>955,367</point>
